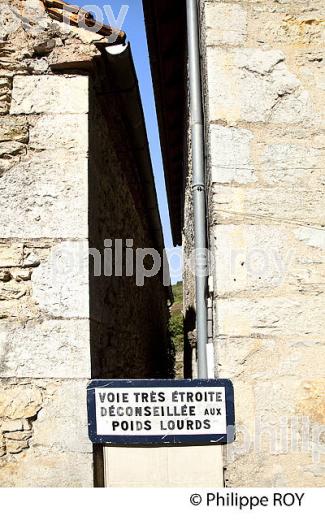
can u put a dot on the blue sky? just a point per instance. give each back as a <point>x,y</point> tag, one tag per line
<point>134,27</point>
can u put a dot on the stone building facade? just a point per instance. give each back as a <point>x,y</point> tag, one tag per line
<point>69,180</point>
<point>264,101</point>
<point>264,106</point>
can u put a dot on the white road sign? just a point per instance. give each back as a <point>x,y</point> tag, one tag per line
<point>161,411</point>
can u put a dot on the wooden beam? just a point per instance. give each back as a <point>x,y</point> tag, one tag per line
<point>78,17</point>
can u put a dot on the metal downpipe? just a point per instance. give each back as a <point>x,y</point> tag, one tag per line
<point>198,185</point>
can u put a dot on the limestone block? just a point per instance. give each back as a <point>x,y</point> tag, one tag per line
<point>61,284</point>
<point>264,62</point>
<point>253,205</point>
<point>31,259</point>
<point>18,437</point>
<point>37,66</point>
<point>23,275</point>
<point>225,24</point>
<point>20,401</point>
<point>16,446</point>
<point>5,91</point>
<point>49,94</point>
<point>14,129</point>
<point>250,258</point>
<point>311,403</point>
<point>261,359</point>
<point>230,155</point>
<point>54,348</point>
<point>11,148</point>
<point>63,422</point>
<point>286,163</point>
<point>244,403</point>
<point>19,309</point>
<point>274,470</point>
<point>48,194</point>
<point>58,414</point>
<point>53,132</point>
<point>12,291</point>
<point>72,56</point>
<point>282,28</point>
<point>312,237</point>
<point>54,468</point>
<point>266,258</point>
<point>277,397</point>
<point>271,316</point>
<point>11,254</point>
<point>15,426</point>
<point>232,355</point>
<point>5,276</point>
<point>255,85</point>
<point>296,109</point>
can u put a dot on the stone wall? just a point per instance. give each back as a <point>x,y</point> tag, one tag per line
<point>139,347</point>
<point>264,90</point>
<point>64,186</point>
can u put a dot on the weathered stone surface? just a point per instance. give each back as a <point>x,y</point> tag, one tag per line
<point>19,437</point>
<point>14,426</point>
<point>312,403</point>
<point>287,163</point>
<point>281,316</point>
<point>11,255</point>
<point>54,348</point>
<point>39,66</point>
<point>62,423</point>
<point>14,129</point>
<point>72,57</point>
<point>11,148</point>
<point>252,359</point>
<point>253,205</point>
<point>53,132</point>
<point>23,275</point>
<point>266,259</point>
<point>56,297</point>
<point>46,209</point>
<point>49,94</point>
<point>230,155</point>
<point>19,309</point>
<point>312,237</point>
<point>3,450</point>
<point>284,26</point>
<point>225,23</point>
<point>5,90</point>
<point>16,446</point>
<point>275,470</point>
<point>46,203</point>
<point>254,85</point>
<point>20,401</point>
<point>11,291</point>
<point>54,468</point>
<point>31,259</point>
<point>57,440</point>
<point>266,231</point>
<point>5,276</point>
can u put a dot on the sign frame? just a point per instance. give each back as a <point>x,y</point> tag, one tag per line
<point>162,440</point>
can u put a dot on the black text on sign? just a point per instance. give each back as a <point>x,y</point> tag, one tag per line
<point>161,411</point>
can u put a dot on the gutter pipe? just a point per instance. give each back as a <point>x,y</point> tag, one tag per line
<point>198,186</point>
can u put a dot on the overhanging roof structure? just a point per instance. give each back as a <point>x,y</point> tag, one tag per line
<point>166,32</point>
